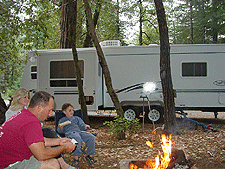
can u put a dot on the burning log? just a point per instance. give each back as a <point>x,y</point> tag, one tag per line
<point>178,157</point>
<point>170,159</point>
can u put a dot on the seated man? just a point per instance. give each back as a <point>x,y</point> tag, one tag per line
<point>75,129</point>
<point>22,144</point>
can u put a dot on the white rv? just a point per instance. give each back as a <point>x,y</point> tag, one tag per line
<point>197,75</point>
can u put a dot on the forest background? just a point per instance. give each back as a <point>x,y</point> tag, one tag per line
<point>32,25</point>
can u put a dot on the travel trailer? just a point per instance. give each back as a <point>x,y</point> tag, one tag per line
<point>197,75</point>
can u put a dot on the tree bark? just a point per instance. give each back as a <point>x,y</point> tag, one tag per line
<point>72,11</point>
<point>118,19</point>
<point>191,23</point>
<point>214,22</point>
<point>102,61</point>
<point>87,41</point>
<point>165,71</point>
<point>64,38</point>
<point>140,22</point>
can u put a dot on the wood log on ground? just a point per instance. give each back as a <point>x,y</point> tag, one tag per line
<point>178,157</point>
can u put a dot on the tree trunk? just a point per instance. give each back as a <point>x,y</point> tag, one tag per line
<point>102,61</point>
<point>214,22</point>
<point>118,19</point>
<point>72,18</point>
<point>165,71</point>
<point>204,25</point>
<point>191,23</point>
<point>87,41</point>
<point>140,22</point>
<point>64,38</point>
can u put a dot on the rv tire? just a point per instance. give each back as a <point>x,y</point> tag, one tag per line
<point>130,112</point>
<point>156,114</point>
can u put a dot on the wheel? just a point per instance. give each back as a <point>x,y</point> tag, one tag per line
<point>130,112</point>
<point>155,115</point>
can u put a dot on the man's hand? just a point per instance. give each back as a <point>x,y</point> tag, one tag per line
<point>62,141</point>
<point>42,153</point>
<point>69,147</point>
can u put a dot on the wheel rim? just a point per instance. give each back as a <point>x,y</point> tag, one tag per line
<point>129,114</point>
<point>154,115</point>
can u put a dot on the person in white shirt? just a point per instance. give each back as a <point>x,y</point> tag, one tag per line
<point>21,98</point>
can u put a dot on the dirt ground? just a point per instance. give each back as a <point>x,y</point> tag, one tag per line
<point>203,149</point>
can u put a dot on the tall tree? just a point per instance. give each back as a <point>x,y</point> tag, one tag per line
<point>165,70</point>
<point>140,21</point>
<point>191,24</point>
<point>87,41</point>
<point>102,61</point>
<point>215,21</point>
<point>207,18</point>
<point>64,37</point>
<point>68,40</point>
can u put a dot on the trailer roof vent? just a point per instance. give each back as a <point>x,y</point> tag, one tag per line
<point>110,43</point>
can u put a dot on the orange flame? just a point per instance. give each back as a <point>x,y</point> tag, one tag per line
<point>160,162</point>
<point>132,166</point>
<point>167,148</point>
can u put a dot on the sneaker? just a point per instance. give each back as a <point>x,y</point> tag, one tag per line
<point>213,130</point>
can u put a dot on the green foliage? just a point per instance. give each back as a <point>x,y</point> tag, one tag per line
<point>30,25</point>
<point>120,125</point>
<point>207,18</point>
<point>24,25</point>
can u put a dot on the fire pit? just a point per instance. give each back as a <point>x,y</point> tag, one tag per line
<point>141,164</point>
<point>167,160</point>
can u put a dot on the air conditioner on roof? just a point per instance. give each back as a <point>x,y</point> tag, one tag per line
<point>110,43</point>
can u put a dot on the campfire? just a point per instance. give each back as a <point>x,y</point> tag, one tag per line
<point>161,161</point>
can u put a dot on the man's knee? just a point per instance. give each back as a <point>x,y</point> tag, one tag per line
<point>50,164</point>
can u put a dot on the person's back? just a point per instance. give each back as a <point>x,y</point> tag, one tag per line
<point>13,137</point>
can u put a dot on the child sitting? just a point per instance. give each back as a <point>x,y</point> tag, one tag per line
<point>76,129</point>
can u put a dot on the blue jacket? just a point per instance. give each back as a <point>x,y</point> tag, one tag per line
<point>77,125</point>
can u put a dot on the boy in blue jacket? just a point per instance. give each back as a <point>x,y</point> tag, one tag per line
<point>76,128</point>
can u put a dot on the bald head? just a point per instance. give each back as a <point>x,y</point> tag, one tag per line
<point>41,105</point>
<point>40,98</point>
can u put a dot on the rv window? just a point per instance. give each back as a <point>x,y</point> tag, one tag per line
<point>65,69</point>
<point>33,72</point>
<point>63,83</point>
<point>194,69</point>
<point>62,73</point>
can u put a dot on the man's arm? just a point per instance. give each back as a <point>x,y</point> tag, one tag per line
<point>41,153</point>
<point>55,141</point>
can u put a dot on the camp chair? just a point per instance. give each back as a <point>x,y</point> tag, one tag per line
<point>59,115</point>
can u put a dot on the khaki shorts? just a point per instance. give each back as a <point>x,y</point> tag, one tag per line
<point>26,164</point>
